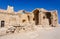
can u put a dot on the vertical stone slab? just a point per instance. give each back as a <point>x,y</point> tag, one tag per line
<point>40,18</point>
<point>55,19</point>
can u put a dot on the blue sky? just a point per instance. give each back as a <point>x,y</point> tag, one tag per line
<point>30,5</point>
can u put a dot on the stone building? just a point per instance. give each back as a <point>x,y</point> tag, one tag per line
<point>44,17</point>
<point>38,16</point>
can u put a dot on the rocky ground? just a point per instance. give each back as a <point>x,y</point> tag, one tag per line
<point>37,33</point>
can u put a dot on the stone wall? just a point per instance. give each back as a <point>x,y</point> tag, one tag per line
<point>44,17</point>
<point>38,17</point>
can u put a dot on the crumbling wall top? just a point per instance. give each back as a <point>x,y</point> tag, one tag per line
<point>10,9</point>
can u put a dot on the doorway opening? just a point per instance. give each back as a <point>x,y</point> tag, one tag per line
<point>2,23</point>
<point>48,16</point>
<point>36,16</point>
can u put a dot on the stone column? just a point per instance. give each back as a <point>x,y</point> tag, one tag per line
<point>55,19</point>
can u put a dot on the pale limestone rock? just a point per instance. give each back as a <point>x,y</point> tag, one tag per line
<point>3,31</point>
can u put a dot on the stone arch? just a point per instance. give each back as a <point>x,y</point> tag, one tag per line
<point>48,16</point>
<point>36,16</point>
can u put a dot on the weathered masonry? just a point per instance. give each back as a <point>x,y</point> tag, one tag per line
<point>44,17</point>
<point>38,16</point>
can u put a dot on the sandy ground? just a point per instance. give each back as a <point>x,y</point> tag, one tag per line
<point>40,33</point>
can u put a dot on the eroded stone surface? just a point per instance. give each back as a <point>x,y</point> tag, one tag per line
<point>23,21</point>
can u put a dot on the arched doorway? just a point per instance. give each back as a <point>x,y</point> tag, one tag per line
<point>2,23</point>
<point>48,16</point>
<point>36,16</point>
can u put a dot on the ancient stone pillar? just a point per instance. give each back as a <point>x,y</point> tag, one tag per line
<point>54,18</point>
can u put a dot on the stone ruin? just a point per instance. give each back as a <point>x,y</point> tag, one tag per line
<point>44,17</point>
<point>15,21</point>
